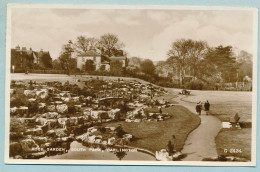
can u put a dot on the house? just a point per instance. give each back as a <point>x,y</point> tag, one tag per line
<point>22,59</point>
<point>100,61</point>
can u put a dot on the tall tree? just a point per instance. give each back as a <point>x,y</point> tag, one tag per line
<point>67,63</point>
<point>147,67</point>
<point>109,43</point>
<point>245,65</point>
<point>178,56</point>
<point>225,62</point>
<point>196,53</point>
<point>84,44</point>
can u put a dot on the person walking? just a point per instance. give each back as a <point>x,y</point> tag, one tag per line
<point>207,106</point>
<point>198,108</point>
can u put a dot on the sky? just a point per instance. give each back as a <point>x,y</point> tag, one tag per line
<point>146,33</point>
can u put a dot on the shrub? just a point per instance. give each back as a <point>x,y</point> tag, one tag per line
<point>120,131</point>
<point>18,100</point>
<point>16,126</point>
<point>195,85</point>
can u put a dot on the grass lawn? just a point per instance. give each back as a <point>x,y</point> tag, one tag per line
<point>155,135</point>
<point>168,97</point>
<point>234,139</point>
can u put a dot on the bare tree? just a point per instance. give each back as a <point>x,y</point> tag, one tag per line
<point>178,55</point>
<point>197,51</point>
<point>109,43</point>
<point>84,44</point>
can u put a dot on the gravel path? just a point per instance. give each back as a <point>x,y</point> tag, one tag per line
<point>201,141</point>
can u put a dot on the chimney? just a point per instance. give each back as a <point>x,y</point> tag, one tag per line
<point>17,47</point>
<point>30,48</point>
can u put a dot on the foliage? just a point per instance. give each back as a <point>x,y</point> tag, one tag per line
<point>194,85</point>
<point>185,56</point>
<point>66,62</point>
<point>119,131</point>
<point>147,67</point>
<point>116,68</point>
<point>16,126</point>
<point>89,65</point>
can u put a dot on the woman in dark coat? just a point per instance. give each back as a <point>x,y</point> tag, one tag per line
<point>206,106</point>
<point>198,108</point>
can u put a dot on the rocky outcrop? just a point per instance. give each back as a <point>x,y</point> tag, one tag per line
<point>29,145</point>
<point>63,108</point>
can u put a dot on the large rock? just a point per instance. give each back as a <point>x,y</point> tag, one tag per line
<point>13,110</point>
<point>40,140</point>
<point>41,121</point>
<point>62,122</point>
<point>15,148</point>
<point>41,105</point>
<point>51,133</point>
<point>33,131</point>
<point>51,115</point>
<point>29,93</point>
<point>112,113</point>
<point>83,137</point>
<point>61,132</point>
<point>73,121</point>
<point>52,123</point>
<point>44,95</point>
<point>177,156</point>
<point>111,141</point>
<point>163,155</point>
<point>63,108</point>
<point>51,108</point>
<point>29,145</point>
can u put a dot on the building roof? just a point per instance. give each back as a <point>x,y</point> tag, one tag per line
<point>89,53</point>
<point>117,58</point>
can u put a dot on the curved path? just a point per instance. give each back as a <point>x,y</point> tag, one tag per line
<point>201,141</point>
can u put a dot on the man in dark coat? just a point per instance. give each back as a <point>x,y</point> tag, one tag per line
<point>198,108</point>
<point>206,106</point>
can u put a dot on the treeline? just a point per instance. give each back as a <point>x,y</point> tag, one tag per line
<point>190,63</point>
<point>195,65</point>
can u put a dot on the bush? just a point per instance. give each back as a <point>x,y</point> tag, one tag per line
<point>195,85</point>
<point>17,101</point>
<point>16,126</point>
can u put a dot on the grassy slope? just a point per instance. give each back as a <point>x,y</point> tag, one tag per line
<point>234,139</point>
<point>155,135</point>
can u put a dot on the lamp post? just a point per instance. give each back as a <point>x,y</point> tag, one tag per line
<point>69,49</point>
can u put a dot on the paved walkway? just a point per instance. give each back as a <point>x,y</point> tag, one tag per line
<point>201,141</point>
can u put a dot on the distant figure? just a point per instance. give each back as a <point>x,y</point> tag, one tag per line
<point>160,110</point>
<point>198,108</point>
<point>170,148</point>
<point>206,106</point>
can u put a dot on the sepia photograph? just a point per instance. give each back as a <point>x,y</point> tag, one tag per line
<point>131,85</point>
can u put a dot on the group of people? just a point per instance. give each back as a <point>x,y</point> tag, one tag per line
<point>199,107</point>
